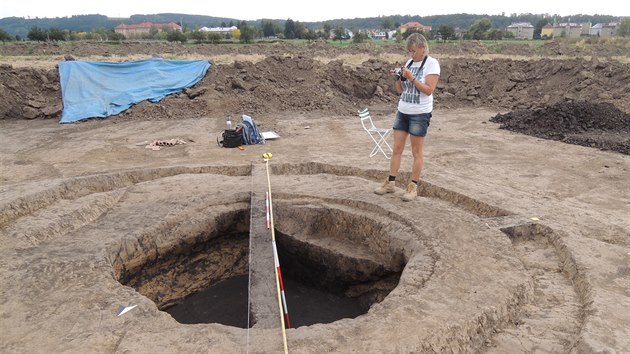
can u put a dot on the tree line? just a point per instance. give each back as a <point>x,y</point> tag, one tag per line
<point>445,27</point>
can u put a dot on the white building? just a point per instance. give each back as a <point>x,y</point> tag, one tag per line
<point>219,30</point>
<point>382,35</point>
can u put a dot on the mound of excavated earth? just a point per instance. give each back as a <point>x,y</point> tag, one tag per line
<point>284,78</point>
<point>599,125</point>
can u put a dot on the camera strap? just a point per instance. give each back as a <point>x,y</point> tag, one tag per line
<point>421,65</point>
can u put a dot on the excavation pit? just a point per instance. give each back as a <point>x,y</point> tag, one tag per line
<point>427,273</point>
<point>335,264</point>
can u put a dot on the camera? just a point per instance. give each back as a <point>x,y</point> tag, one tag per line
<point>398,75</point>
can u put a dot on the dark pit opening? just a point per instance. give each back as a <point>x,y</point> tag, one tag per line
<point>204,278</point>
<point>224,302</point>
<point>195,270</point>
<point>324,285</point>
<point>309,305</point>
<point>337,263</point>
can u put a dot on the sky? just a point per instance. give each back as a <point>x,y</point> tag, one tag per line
<point>311,11</point>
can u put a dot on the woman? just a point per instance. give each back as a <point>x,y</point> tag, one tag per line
<point>415,84</point>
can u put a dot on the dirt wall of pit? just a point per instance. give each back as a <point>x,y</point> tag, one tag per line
<point>287,82</point>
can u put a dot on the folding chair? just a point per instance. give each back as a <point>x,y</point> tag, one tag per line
<point>378,135</point>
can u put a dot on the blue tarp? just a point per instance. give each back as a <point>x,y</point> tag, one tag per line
<point>101,89</point>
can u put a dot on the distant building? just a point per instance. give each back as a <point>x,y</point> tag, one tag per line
<point>219,30</point>
<point>382,35</point>
<point>547,31</point>
<point>416,25</point>
<point>460,32</point>
<point>347,34</point>
<point>604,29</point>
<point>523,30</point>
<point>140,29</point>
<point>568,30</point>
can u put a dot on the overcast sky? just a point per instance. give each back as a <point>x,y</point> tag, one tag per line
<point>315,10</point>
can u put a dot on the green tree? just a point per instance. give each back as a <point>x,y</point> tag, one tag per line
<point>117,36</point>
<point>214,37</point>
<point>55,34</point>
<point>624,28</point>
<point>103,34</point>
<point>289,29</point>
<point>176,36</point>
<point>538,27</point>
<point>359,37</point>
<point>269,28</point>
<point>247,32</point>
<point>327,29</point>
<point>37,34</point>
<point>163,34</point>
<point>5,36</point>
<point>198,36</point>
<point>300,30</point>
<point>479,28</point>
<point>153,33</point>
<point>388,24</point>
<point>495,34</point>
<point>339,34</point>
<point>446,32</point>
<point>310,35</point>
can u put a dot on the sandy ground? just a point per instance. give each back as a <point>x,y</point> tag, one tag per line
<point>515,244</point>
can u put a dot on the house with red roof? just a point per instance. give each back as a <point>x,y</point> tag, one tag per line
<point>139,29</point>
<point>416,25</point>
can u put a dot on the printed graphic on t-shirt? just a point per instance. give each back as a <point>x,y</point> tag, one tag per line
<point>410,92</point>
<point>412,101</point>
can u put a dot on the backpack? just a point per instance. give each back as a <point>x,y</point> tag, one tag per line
<point>251,134</point>
<point>230,138</point>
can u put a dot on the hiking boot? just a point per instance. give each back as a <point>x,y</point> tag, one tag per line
<point>387,187</point>
<point>411,193</point>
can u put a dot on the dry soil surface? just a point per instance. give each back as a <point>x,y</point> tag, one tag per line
<point>518,241</point>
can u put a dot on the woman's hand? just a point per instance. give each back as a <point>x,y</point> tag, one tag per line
<point>407,74</point>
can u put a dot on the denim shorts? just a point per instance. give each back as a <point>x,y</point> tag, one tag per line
<point>414,124</point>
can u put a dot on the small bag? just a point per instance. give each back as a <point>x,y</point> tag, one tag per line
<point>230,138</point>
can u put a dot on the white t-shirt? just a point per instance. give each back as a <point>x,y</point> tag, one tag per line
<point>413,101</point>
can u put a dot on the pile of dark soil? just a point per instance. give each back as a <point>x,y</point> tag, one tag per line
<point>599,125</point>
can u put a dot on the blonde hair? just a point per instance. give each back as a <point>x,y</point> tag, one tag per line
<point>419,41</point>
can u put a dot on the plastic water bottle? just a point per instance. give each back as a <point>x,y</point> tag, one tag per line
<point>228,120</point>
